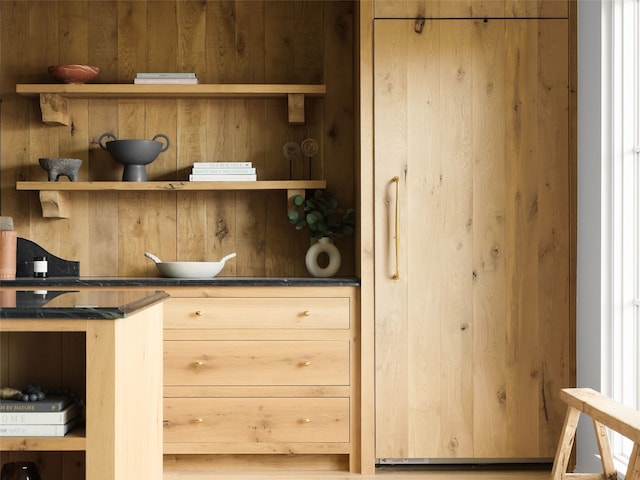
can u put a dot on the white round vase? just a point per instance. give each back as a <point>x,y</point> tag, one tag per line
<point>323,245</point>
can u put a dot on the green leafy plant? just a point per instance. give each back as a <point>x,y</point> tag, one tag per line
<point>321,214</point>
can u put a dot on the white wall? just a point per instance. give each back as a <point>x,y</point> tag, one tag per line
<point>590,238</point>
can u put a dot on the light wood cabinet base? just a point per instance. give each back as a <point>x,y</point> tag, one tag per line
<point>215,463</point>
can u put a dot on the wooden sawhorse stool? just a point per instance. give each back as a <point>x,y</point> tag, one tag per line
<point>604,412</point>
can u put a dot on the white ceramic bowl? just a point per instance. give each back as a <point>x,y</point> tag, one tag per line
<point>191,269</point>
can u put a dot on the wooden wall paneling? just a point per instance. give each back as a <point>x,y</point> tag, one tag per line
<point>102,239</point>
<point>161,118</point>
<point>132,224</point>
<point>555,235</point>
<point>281,240</point>
<point>43,369</point>
<point>73,30</point>
<point>160,234</point>
<point>490,422</point>
<point>43,141</point>
<point>132,38</point>
<point>103,206</point>
<point>74,231</point>
<point>470,8</point>
<point>132,206</point>
<point>103,44</point>
<point>221,230</point>
<point>252,51</point>
<point>278,42</point>
<point>162,38</point>
<point>308,41</point>
<point>191,35</point>
<point>251,220</point>
<point>223,20</point>
<point>338,128</point>
<point>191,230</point>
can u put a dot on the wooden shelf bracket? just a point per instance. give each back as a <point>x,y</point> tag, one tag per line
<point>55,204</point>
<point>55,109</point>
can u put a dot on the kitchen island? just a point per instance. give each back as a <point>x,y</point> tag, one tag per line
<point>106,346</point>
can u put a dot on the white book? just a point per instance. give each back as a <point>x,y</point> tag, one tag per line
<point>165,75</point>
<point>224,171</point>
<point>40,418</point>
<point>165,81</point>
<point>221,164</point>
<point>37,430</point>
<point>222,178</point>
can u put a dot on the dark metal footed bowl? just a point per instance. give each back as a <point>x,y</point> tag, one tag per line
<point>134,154</point>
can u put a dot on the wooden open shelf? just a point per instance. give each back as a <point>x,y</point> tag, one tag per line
<point>55,109</point>
<point>54,195</point>
<point>73,441</point>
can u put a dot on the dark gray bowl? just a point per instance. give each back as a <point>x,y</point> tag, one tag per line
<point>134,154</point>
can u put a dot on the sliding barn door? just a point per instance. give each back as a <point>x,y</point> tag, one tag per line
<point>472,237</point>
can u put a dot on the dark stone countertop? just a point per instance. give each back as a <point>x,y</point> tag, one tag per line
<point>159,282</point>
<point>69,304</point>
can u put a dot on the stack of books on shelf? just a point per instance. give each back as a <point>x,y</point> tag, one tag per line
<point>176,78</point>
<point>222,172</point>
<point>52,417</point>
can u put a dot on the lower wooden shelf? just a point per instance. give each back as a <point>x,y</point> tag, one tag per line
<point>75,440</point>
<point>55,204</point>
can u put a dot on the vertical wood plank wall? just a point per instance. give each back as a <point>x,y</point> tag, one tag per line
<point>223,42</point>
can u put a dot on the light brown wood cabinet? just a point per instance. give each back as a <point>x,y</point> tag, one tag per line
<point>261,371</point>
<point>470,9</point>
<point>470,165</point>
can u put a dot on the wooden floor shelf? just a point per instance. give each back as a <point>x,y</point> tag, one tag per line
<point>54,195</point>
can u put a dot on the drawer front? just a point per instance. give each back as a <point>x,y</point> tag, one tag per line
<point>298,362</point>
<point>257,312</point>
<point>256,420</point>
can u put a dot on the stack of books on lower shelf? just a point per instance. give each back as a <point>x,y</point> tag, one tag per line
<point>166,78</point>
<point>223,172</point>
<point>52,417</point>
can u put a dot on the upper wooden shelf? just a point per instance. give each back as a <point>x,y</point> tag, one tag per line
<point>124,90</point>
<point>54,97</point>
<point>53,195</point>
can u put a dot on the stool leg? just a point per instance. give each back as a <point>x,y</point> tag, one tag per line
<point>565,444</point>
<point>633,469</point>
<point>608,469</point>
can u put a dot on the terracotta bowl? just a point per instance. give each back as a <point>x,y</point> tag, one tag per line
<point>73,73</point>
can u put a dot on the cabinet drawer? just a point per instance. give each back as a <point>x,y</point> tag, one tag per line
<point>257,312</point>
<point>256,420</point>
<point>298,362</point>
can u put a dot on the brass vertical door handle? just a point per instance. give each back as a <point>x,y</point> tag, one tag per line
<point>396,180</point>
